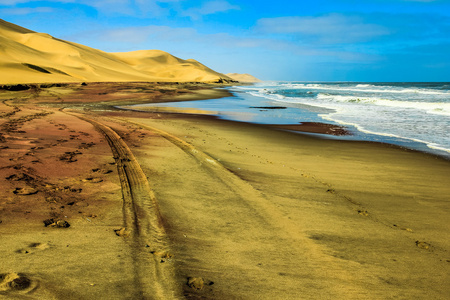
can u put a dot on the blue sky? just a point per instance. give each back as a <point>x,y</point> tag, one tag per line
<point>320,40</point>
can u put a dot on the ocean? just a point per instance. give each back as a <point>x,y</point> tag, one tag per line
<point>412,115</point>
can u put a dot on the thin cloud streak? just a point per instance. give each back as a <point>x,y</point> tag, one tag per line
<point>26,10</point>
<point>146,36</point>
<point>333,28</point>
<point>119,7</point>
<point>209,8</point>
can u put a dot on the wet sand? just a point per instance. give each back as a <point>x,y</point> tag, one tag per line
<point>315,127</point>
<point>164,206</point>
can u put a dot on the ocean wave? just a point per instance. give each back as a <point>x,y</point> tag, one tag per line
<point>440,108</point>
<point>366,88</point>
<point>437,147</point>
<point>422,119</point>
<point>333,101</point>
<point>361,128</point>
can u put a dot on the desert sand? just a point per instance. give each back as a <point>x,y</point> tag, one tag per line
<point>243,77</point>
<point>31,57</point>
<point>103,203</point>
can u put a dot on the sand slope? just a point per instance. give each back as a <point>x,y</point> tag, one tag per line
<point>30,57</point>
<point>243,77</point>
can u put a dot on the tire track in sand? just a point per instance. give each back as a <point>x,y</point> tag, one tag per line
<point>143,224</point>
<point>284,227</point>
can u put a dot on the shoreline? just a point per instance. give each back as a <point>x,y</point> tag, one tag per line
<point>398,104</point>
<point>242,210</point>
<point>322,128</point>
<point>268,175</point>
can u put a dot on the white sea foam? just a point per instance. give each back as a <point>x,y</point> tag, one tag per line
<point>327,100</point>
<point>437,147</point>
<point>361,128</point>
<point>441,108</point>
<point>367,88</point>
<point>413,112</point>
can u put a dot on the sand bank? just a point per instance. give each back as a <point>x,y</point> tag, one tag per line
<point>233,210</point>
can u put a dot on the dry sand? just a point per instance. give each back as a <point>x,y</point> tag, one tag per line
<point>243,77</point>
<point>32,57</point>
<point>165,206</point>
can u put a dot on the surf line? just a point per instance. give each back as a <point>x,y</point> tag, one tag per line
<point>143,226</point>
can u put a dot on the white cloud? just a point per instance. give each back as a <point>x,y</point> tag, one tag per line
<point>143,34</point>
<point>146,34</point>
<point>12,2</point>
<point>108,6</point>
<point>153,37</point>
<point>209,8</point>
<point>333,28</point>
<point>126,7</point>
<point>143,7</point>
<point>154,7</point>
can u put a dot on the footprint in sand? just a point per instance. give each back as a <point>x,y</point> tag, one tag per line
<point>25,191</point>
<point>67,189</point>
<point>20,177</point>
<point>122,232</point>
<point>92,180</point>
<point>16,282</point>
<point>57,223</point>
<point>364,213</point>
<point>163,256</point>
<point>198,283</point>
<point>86,145</point>
<point>423,245</point>
<point>70,156</point>
<point>403,228</point>
<point>84,133</point>
<point>102,171</point>
<point>33,247</point>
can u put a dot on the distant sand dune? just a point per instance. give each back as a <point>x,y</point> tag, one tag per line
<point>243,77</point>
<point>163,65</point>
<point>30,57</point>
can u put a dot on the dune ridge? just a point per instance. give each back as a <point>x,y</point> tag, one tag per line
<point>27,56</point>
<point>243,77</point>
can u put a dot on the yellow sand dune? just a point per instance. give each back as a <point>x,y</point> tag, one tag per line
<point>168,67</point>
<point>243,77</point>
<point>30,57</point>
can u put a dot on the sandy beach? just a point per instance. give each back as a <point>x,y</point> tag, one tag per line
<point>103,203</point>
